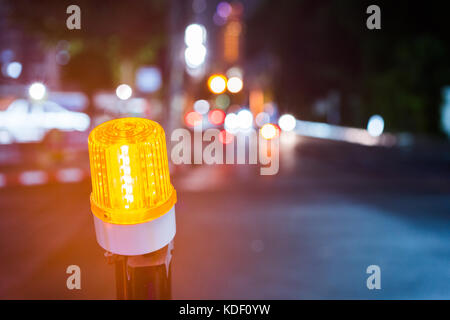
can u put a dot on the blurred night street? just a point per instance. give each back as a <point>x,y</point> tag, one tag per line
<point>224,149</point>
<point>323,219</point>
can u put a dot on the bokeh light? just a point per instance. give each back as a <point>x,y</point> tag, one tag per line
<point>245,119</point>
<point>222,101</point>
<point>231,123</point>
<point>375,126</point>
<point>194,35</point>
<point>37,91</point>
<point>269,131</point>
<point>6,55</point>
<point>195,55</point>
<point>193,119</point>
<point>216,117</point>
<point>14,69</point>
<point>195,40</point>
<point>234,72</point>
<point>234,84</point>
<point>201,106</point>
<point>124,92</point>
<point>224,9</point>
<point>287,122</point>
<point>217,83</point>
<point>148,79</point>
<point>262,118</point>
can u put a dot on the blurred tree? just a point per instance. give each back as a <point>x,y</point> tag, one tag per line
<point>112,33</point>
<point>320,46</point>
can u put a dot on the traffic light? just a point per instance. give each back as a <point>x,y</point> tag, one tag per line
<point>132,198</point>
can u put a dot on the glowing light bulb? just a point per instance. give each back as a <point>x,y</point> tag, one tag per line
<point>130,172</point>
<point>132,200</point>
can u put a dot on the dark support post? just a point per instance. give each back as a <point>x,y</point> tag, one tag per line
<point>145,277</point>
<point>121,278</point>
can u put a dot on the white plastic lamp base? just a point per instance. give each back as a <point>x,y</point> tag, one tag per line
<point>136,239</point>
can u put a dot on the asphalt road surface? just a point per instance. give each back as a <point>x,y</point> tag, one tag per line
<point>310,231</point>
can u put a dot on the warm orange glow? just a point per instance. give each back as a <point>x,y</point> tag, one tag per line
<point>231,41</point>
<point>129,171</point>
<point>269,131</point>
<point>217,83</point>
<point>256,101</point>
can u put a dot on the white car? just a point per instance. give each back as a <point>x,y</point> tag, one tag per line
<point>26,121</point>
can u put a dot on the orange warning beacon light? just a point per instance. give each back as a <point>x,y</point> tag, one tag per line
<point>132,200</point>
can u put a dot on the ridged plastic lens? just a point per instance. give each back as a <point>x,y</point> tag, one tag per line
<point>129,171</point>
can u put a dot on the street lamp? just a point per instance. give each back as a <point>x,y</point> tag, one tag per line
<point>133,203</point>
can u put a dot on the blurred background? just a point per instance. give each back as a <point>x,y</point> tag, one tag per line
<point>363,118</point>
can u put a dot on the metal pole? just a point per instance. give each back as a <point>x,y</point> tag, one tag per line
<point>145,277</point>
<point>121,278</point>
